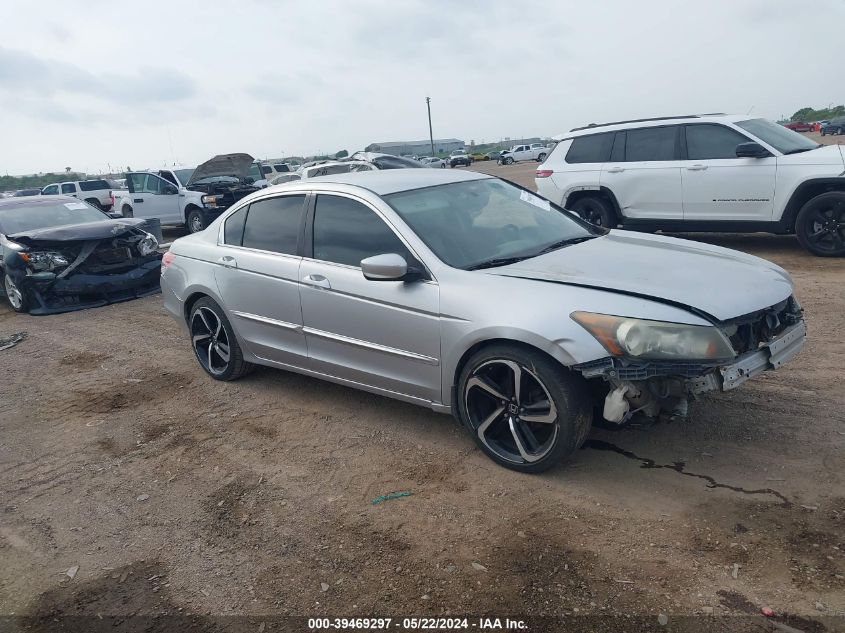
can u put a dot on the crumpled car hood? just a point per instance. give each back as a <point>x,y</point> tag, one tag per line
<point>79,232</point>
<point>236,165</point>
<point>718,281</point>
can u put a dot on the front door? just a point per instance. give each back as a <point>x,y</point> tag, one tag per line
<point>257,275</point>
<point>385,334</point>
<point>150,198</point>
<point>719,186</point>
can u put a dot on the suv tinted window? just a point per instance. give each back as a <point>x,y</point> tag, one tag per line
<point>68,188</point>
<point>708,141</point>
<point>92,185</point>
<point>650,143</point>
<point>273,224</point>
<point>346,231</point>
<point>590,149</point>
<point>233,228</point>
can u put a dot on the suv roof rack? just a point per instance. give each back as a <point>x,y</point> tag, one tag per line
<point>657,118</point>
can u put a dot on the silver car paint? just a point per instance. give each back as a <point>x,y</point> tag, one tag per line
<point>406,340</point>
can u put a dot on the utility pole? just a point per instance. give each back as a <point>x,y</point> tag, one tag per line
<point>430,133</point>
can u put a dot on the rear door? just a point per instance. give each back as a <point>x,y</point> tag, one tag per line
<point>719,186</point>
<point>644,173</point>
<point>257,275</point>
<point>69,189</point>
<point>385,334</point>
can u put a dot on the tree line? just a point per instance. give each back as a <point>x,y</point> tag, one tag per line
<point>825,114</point>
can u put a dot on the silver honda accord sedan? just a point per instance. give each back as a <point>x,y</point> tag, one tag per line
<point>470,295</point>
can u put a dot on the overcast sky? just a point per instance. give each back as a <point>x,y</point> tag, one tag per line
<point>93,83</point>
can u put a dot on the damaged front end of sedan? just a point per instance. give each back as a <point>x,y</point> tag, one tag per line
<point>655,369</point>
<point>66,268</point>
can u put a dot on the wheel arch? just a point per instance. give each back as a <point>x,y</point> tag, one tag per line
<point>188,208</point>
<point>600,192</point>
<point>519,338</point>
<point>805,192</point>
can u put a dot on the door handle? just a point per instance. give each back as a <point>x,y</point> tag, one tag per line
<point>697,167</point>
<point>615,170</point>
<point>228,261</point>
<point>318,281</point>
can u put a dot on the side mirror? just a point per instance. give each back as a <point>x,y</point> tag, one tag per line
<point>389,267</point>
<point>170,190</point>
<point>751,150</point>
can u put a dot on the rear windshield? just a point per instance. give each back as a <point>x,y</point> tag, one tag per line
<point>93,185</point>
<point>40,215</point>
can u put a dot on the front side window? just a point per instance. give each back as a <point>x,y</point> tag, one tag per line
<point>153,184</point>
<point>650,144</point>
<point>590,149</point>
<point>347,231</point>
<point>273,224</point>
<point>68,188</point>
<point>710,142</point>
<point>782,139</point>
<point>484,223</point>
<point>50,190</point>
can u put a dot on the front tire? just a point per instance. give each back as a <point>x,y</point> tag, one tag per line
<point>214,342</point>
<point>596,211</point>
<point>523,409</point>
<point>507,161</point>
<point>820,225</point>
<point>17,297</point>
<point>195,221</point>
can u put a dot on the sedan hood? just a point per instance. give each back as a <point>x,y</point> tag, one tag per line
<point>236,165</point>
<point>719,282</point>
<point>79,232</point>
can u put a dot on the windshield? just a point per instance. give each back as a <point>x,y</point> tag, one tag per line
<point>782,139</point>
<point>394,162</point>
<point>184,175</point>
<point>473,224</point>
<point>22,218</point>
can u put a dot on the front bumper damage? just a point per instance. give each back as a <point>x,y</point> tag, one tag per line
<point>655,387</point>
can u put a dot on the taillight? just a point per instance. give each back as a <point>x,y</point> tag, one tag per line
<point>544,173</point>
<point>166,260</point>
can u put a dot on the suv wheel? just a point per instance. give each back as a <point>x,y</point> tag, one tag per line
<point>126,212</point>
<point>596,211</point>
<point>541,158</point>
<point>820,225</point>
<point>195,222</point>
<point>214,342</point>
<point>524,410</point>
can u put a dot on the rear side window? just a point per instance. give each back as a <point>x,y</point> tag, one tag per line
<point>590,149</point>
<point>273,224</point>
<point>92,185</point>
<point>233,228</point>
<point>708,141</point>
<point>650,144</point>
<point>68,188</point>
<point>346,231</point>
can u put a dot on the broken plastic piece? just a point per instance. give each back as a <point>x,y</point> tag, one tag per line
<point>390,496</point>
<point>616,407</point>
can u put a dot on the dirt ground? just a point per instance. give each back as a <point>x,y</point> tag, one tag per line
<point>173,493</point>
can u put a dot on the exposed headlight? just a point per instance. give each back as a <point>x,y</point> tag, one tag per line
<point>639,338</point>
<point>44,260</point>
<point>212,201</point>
<point>148,245</point>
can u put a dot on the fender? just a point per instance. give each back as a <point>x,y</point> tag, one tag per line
<point>806,190</point>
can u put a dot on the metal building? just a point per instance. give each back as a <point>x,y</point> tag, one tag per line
<point>417,148</point>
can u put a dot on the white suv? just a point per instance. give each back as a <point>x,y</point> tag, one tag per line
<point>701,173</point>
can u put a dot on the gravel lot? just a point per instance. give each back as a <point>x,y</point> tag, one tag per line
<point>174,493</point>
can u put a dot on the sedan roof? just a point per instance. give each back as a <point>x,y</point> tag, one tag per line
<point>34,201</point>
<point>387,181</point>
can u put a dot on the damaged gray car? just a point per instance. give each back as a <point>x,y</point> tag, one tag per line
<point>470,295</point>
<point>58,254</point>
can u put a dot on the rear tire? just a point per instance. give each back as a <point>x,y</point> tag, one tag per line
<point>127,212</point>
<point>495,411</point>
<point>595,210</point>
<point>214,342</point>
<point>541,158</point>
<point>94,203</point>
<point>820,225</point>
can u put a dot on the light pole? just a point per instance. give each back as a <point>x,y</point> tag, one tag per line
<point>430,133</point>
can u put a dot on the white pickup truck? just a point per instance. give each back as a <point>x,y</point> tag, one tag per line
<point>193,197</point>
<point>535,151</point>
<point>96,192</point>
